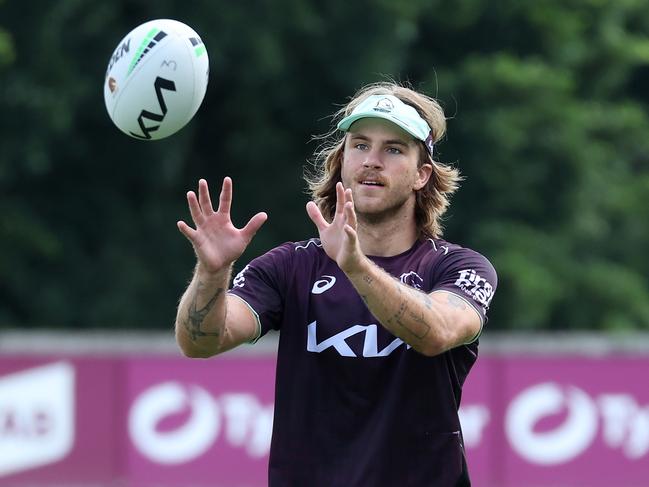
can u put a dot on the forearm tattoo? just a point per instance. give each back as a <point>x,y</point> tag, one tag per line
<point>368,280</point>
<point>456,302</point>
<point>195,316</point>
<point>416,324</point>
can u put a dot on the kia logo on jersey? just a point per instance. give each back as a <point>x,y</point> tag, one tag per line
<point>339,341</point>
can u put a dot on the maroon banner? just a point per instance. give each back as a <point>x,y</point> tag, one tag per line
<point>59,421</point>
<point>174,422</point>
<point>199,422</point>
<point>558,421</point>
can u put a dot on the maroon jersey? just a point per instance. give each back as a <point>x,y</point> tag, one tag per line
<point>355,405</point>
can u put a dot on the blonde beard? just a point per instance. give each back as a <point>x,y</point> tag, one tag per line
<point>387,214</point>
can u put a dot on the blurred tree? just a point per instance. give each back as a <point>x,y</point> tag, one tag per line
<point>548,108</point>
<point>554,143</point>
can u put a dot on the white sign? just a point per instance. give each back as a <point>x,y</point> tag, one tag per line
<point>245,422</point>
<point>617,418</point>
<point>36,417</point>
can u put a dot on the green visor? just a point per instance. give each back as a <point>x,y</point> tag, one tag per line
<point>389,107</point>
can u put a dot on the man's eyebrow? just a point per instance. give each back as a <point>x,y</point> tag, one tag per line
<point>386,142</point>
<point>358,136</point>
<point>396,142</point>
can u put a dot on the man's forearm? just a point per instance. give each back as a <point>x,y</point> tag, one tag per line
<point>406,312</point>
<point>200,321</point>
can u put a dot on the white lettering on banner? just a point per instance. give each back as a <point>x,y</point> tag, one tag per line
<point>36,417</point>
<point>182,444</point>
<point>616,409</point>
<point>563,443</point>
<point>638,443</point>
<point>247,423</point>
<point>624,424</point>
<point>370,345</point>
<point>474,419</point>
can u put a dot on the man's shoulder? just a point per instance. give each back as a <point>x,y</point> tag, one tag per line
<point>442,256</point>
<point>441,248</point>
<point>462,261</point>
<point>288,252</point>
<point>283,263</point>
<point>312,245</point>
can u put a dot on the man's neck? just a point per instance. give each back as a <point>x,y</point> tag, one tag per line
<point>386,238</point>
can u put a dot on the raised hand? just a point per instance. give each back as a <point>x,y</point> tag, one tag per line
<point>216,241</point>
<point>339,238</point>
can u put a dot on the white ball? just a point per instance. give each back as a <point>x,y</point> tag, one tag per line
<point>156,79</point>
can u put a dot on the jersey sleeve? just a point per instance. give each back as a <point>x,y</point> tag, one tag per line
<point>262,285</point>
<point>469,275</point>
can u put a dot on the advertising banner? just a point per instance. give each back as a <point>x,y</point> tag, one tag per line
<point>558,421</point>
<point>204,422</point>
<point>165,421</point>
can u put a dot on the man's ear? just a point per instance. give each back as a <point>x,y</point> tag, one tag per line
<point>424,174</point>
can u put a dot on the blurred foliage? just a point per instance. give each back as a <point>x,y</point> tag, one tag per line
<point>548,120</point>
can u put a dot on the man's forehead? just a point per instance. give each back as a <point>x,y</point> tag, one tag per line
<point>378,127</point>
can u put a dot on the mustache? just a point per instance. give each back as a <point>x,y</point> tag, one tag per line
<point>371,176</point>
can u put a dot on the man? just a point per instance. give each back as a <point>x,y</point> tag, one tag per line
<point>378,317</point>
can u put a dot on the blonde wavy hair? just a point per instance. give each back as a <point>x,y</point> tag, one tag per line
<point>432,200</point>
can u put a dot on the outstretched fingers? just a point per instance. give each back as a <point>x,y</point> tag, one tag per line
<point>350,213</point>
<point>225,199</point>
<point>351,235</point>
<point>316,216</point>
<point>253,225</point>
<point>200,206</point>
<point>204,198</point>
<point>195,208</point>
<point>340,199</point>
<point>186,230</point>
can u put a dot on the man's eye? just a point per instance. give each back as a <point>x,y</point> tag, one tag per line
<point>394,150</point>
<point>360,146</point>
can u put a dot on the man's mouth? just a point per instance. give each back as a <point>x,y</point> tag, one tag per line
<point>369,182</point>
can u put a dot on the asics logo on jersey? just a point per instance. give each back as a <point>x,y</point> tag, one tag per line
<point>475,286</point>
<point>339,343</point>
<point>322,284</point>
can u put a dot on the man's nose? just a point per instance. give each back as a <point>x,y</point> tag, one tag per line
<point>373,160</point>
